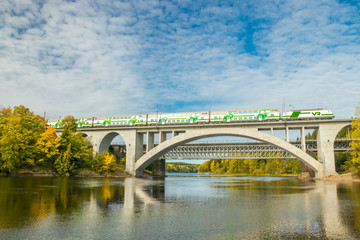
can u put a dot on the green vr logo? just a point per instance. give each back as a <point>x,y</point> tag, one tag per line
<point>316,113</point>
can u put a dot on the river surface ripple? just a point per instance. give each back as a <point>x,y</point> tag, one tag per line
<point>181,206</point>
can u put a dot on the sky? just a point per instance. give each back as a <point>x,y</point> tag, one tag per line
<point>105,58</point>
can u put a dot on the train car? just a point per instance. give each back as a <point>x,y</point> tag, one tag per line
<point>128,120</point>
<point>56,123</point>
<point>303,114</point>
<point>245,115</point>
<point>178,118</point>
<point>260,114</point>
<point>84,122</point>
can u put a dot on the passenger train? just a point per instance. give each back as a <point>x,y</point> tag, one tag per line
<point>235,116</point>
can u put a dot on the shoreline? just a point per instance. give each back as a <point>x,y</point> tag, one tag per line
<point>49,173</point>
<point>344,177</point>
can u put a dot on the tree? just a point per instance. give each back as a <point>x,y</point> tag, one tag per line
<point>48,148</point>
<point>108,163</point>
<point>75,150</point>
<point>355,144</point>
<point>19,131</point>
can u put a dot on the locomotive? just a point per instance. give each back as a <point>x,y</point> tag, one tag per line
<point>242,115</point>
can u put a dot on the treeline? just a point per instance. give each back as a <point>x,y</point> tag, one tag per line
<point>26,142</point>
<point>251,166</point>
<point>178,167</point>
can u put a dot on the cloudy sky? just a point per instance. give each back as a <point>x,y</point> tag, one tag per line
<point>99,58</point>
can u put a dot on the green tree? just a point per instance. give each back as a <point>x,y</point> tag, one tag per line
<point>75,150</point>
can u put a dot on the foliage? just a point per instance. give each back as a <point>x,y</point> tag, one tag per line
<point>75,150</point>
<point>182,167</point>
<point>354,160</point>
<point>48,148</point>
<point>251,166</point>
<point>26,143</point>
<point>104,163</point>
<point>19,131</point>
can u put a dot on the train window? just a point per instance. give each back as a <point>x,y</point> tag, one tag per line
<point>202,117</point>
<point>215,117</point>
<point>272,115</point>
<point>182,120</point>
<point>245,118</point>
<point>245,111</point>
<point>250,111</point>
<point>255,111</point>
<point>250,117</point>
<point>178,120</point>
<point>240,118</point>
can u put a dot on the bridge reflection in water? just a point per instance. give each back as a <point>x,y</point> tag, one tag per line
<point>185,207</point>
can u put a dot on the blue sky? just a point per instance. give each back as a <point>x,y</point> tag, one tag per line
<point>99,58</point>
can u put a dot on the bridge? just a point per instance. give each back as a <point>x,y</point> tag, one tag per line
<point>172,136</point>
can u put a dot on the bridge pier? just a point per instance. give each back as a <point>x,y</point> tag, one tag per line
<point>134,149</point>
<point>159,168</point>
<point>306,172</point>
<point>325,147</point>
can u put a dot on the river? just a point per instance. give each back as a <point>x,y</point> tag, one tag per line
<point>181,206</point>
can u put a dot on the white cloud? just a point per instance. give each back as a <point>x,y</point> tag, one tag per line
<point>109,58</point>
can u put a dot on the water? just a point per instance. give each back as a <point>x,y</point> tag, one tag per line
<point>183,206</point>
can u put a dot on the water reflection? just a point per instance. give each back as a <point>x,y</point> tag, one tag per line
<point>25,200</point>
<point>177,207</point>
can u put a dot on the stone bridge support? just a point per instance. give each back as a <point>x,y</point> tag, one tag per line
<point>326,135</point>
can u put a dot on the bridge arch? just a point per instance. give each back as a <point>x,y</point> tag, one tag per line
<point>192,135</point>
<point>106,141</point>
<point>343,130</point>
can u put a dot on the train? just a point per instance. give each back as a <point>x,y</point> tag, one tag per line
<point>234,116</point>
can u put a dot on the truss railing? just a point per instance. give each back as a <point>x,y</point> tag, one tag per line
<point>248,150</point>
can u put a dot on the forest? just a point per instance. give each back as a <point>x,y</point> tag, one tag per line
<point>27,143</point>
<point>182,167</point>
<point>252,166</point>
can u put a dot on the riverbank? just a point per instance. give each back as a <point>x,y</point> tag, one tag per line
<point>77,173</point>
<point>345,177</point>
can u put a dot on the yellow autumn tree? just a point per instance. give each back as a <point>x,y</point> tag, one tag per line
<point>104,163</point>
<point>355,144</point>
<point>19,131</point>
<point>48,148</point>
<point>108,163</point>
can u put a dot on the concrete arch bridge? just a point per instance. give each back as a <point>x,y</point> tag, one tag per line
<point>172,136</point>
